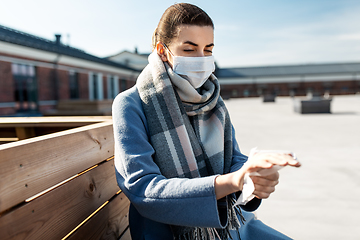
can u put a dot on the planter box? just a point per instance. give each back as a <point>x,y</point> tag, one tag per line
<point>314,105</point>
<point>269,98</point>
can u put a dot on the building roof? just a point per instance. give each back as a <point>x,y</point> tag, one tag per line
<point>289,70</point>
<point>24,39</point>
<point>132,59</point>
<point>135,53</point>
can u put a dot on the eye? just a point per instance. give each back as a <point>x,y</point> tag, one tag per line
<point>188,50</point>
<point>209,51</point>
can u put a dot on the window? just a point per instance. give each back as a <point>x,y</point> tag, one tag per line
<point>123,85</point>
<point>73,85</point>
<point>95,86</point>
<point>112,86</point>
<point>234,93</point>
<point>246,92</point>
<point>25,86</point>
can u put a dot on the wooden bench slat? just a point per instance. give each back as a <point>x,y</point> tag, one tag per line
<point>25,132</point>
<point>126,235</point>
<point>56,213</point>
<point>109,223</point>
<point>33,165</point>
<point>51,121</point>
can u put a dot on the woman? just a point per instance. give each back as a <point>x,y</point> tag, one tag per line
<point>176,156</point>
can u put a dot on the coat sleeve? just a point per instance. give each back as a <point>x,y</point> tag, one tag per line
<point>238,158</point>
<point>176,201</point>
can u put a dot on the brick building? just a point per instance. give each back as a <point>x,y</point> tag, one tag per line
<point>36,73</point>
<point>295,80</point>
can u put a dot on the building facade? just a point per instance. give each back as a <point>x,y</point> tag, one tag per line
<point>36,73</point>
<point>291,80</point>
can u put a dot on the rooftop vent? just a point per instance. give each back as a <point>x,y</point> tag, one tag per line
<point>58,39</point>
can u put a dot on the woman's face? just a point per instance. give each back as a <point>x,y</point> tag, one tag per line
<point>192,41</point>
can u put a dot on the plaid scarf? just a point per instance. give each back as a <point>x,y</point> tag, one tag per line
<point>186,128</point>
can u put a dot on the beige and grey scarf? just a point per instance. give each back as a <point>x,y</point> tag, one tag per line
<point>190,131</point>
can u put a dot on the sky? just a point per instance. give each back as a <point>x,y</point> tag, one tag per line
<point>247,32</point>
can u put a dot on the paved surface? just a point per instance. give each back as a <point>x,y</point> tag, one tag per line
<point>320,200</point>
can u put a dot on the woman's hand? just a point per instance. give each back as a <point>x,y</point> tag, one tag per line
<point>267,160</point>
<point>264,185</point>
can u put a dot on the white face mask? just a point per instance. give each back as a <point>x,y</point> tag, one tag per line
<point>194,69</point>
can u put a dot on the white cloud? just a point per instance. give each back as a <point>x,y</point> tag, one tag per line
<point>349,37</point>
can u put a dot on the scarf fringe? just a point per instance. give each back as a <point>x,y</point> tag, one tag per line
<point>189,233</point>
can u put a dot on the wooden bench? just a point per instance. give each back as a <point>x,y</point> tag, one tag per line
<point>62,185</point>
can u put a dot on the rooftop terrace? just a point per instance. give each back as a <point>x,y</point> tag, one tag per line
<point>319,200</point>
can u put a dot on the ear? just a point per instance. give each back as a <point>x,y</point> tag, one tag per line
<point>160,49</point>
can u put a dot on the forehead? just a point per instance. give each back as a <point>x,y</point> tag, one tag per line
<point>201,35</point>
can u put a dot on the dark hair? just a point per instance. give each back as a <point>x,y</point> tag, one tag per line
<point>176,15</point>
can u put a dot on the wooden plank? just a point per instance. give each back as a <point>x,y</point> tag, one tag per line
<point>25,132</point>
<point>51,121</point>
<point>126,235</point>
<point>56,213</point>
<point>33,165</point>
<point>8,140</point>
<point>109,223</point>
<point>80,113</point>
<point>84,105</point>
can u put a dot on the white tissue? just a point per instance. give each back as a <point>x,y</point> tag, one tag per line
<point>246,194</point>
<point>248,187</point>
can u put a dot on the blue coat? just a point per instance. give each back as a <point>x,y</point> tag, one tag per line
<point>155,200</point>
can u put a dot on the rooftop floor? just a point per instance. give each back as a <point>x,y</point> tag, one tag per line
<point>319,200</point>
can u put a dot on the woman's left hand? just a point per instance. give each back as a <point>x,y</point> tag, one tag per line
<point>265,185</point>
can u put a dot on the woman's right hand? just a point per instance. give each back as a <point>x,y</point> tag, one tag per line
<point>264,185</point>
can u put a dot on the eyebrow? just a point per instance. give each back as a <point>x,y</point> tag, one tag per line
<point>194,44</point>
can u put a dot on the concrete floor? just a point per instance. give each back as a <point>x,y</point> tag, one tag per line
<point>321,199</point>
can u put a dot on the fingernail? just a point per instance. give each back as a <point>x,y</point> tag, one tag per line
<point>269,165</point>
<point>294,162</point>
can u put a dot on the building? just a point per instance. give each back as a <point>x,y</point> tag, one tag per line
<point>36,73</point>
<point>131,59</point>
<point>294,80</point>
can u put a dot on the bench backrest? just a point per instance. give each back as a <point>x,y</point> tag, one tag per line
<point>62,186</point>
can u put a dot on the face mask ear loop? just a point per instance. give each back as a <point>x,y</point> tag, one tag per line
<point>168,49</point>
